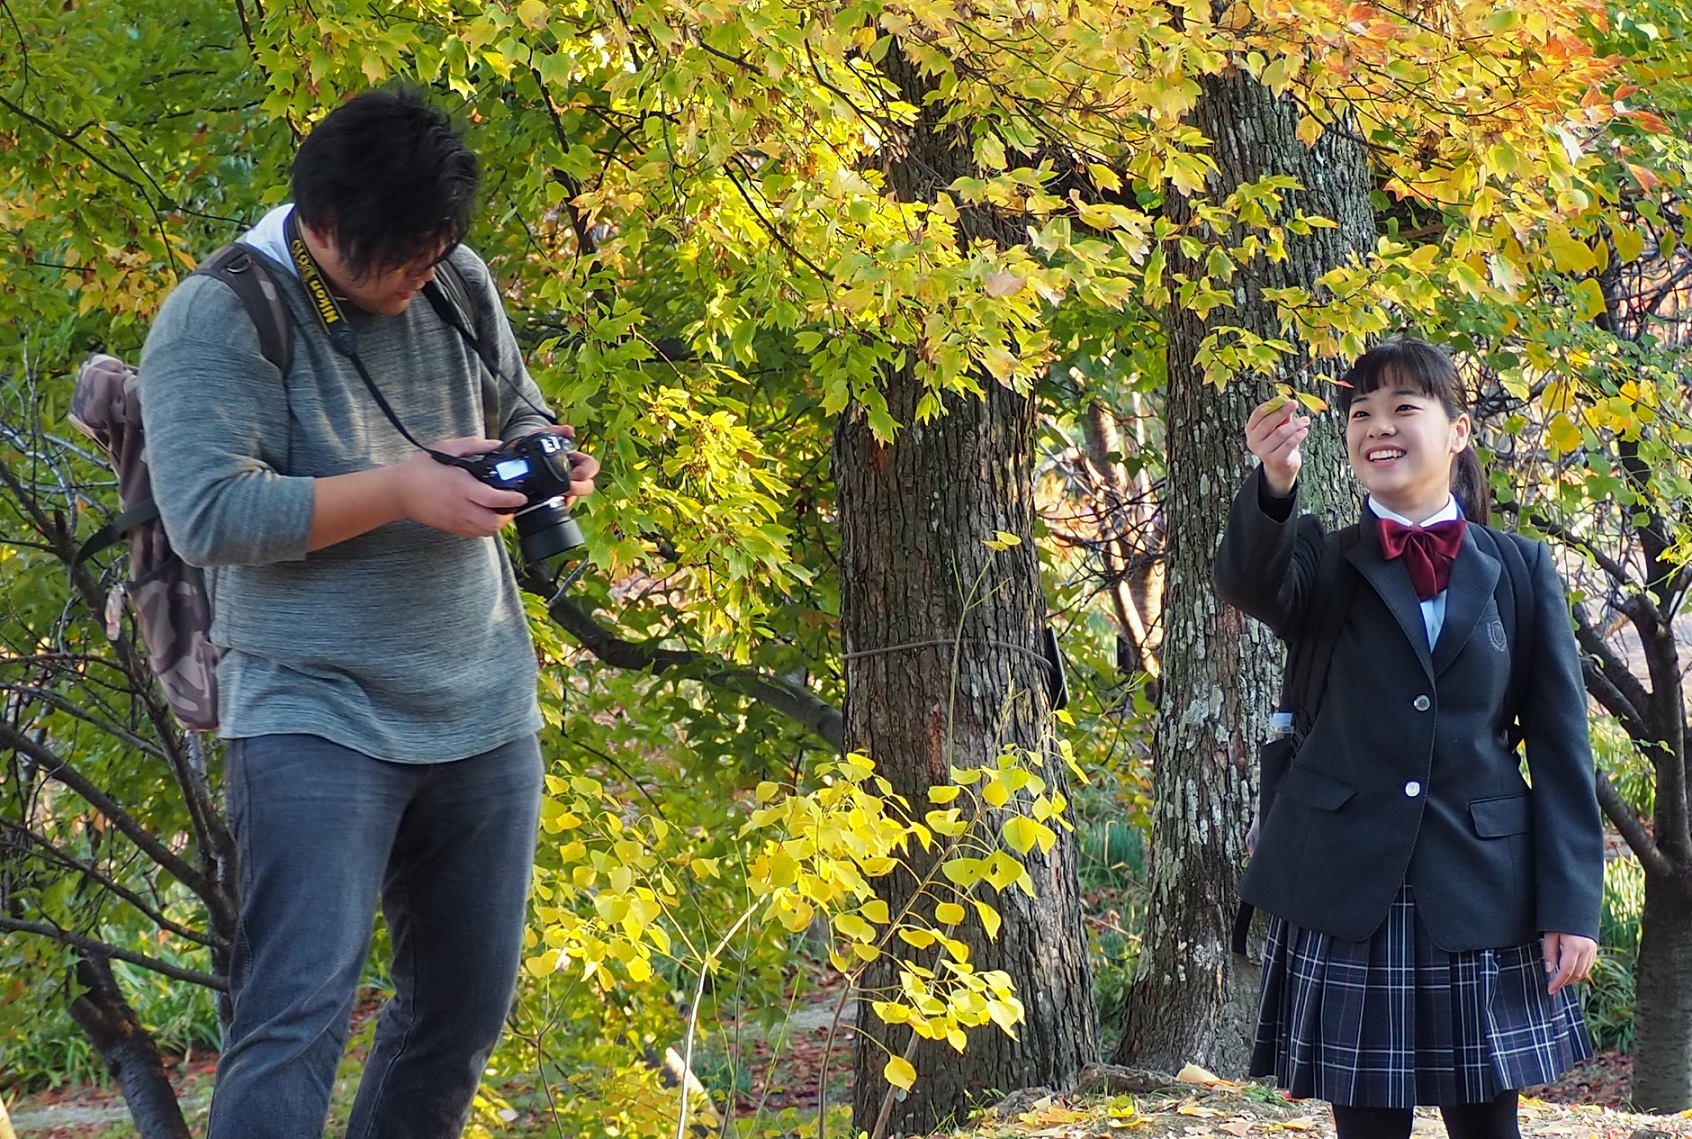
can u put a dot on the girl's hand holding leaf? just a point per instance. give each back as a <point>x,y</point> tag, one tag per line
<point>1274,433</point>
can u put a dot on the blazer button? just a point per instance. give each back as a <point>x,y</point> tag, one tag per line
<point>1421,703</point>
<point>1412,789</point>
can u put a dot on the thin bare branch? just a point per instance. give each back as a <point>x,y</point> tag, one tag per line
<point>71,708</point>
<point>56,768</point>
<point>116,953</point>
<point>66,861</point>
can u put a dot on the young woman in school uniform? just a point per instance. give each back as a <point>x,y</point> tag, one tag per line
<point>1429,908</point>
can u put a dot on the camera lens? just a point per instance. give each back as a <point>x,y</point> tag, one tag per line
<point>546,531</point>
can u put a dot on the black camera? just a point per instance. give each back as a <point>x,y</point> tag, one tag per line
<point>538,467</point>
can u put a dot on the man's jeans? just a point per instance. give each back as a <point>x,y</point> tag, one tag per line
<point>320,831</point>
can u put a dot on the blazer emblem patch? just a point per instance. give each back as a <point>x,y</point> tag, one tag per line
<point>1495,634</point>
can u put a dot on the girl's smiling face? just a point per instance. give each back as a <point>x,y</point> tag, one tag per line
<point>1401,444</point>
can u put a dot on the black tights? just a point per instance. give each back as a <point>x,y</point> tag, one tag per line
<point>1495,1120</point>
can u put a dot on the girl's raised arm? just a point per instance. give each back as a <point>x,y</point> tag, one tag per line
<point>1268,555</point>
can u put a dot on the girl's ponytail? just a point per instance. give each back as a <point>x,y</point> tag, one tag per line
<point>1468,483</point>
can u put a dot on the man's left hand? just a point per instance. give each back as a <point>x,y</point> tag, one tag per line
<point>583,467</point>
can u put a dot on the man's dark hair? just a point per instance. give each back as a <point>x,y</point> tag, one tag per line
<point>389,176</point>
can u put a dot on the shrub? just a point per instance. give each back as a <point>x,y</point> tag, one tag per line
<point>1610,992</point>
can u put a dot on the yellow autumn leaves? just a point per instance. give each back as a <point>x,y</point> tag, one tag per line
<point>813,858</point>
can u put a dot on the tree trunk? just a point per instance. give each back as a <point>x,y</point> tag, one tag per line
<point>131,1055</point>
<point>1191,999</point>
<point>1662,974</point>
<point>1655,719</point>
<point>944,666</point>
<point>942,640</point>
<point>1662,1017</point>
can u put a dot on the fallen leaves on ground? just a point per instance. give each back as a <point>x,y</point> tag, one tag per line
<point>1228,1109</point>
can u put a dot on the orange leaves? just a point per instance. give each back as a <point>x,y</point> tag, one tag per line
<point>1646,178</point>
<point>1648,121</point>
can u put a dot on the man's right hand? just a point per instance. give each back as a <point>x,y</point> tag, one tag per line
<point>451,498</point>
<point>1273,434</point>
<point>421,488</point>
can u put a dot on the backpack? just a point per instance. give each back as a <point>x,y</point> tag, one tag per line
<point>169,596</point>
<point>1306,676</point>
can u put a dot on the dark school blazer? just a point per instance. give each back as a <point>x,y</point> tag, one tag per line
<point>1406,775</point>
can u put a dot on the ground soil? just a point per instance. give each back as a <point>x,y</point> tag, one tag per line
<point>1590,1103</point>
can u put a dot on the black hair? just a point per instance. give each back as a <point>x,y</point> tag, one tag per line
<point>1417,366</point>
<point>389,176</point>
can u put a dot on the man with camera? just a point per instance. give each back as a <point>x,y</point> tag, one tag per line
<point>377,681</point>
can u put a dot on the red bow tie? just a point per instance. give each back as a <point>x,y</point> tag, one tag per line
<point>1428,552</point>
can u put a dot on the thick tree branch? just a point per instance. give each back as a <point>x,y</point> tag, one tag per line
<point>814,714</point>
<point>1668,723</point>
<point>93,945</point>
<point>247,29</point>
<point>1632,828</point>
<point>1653,536</point>
<point>1610,681</point>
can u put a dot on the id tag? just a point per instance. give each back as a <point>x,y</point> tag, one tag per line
<point>114,612</point>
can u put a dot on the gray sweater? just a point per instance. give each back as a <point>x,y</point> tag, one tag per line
<point>406,643</point>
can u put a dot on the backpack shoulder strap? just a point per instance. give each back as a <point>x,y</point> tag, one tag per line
<point>449,295</point>
<point>239,267</point>
<point>1507,549</point>
<point>108,535</point>
<point>243,270</point>
<point>1307,671</point>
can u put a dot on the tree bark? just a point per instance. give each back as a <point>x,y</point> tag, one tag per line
<point>1662,1017</point>
<point>131,1055</point>
<point>942,640</point>
<point>1192,1000</point>
<point>944,666</point>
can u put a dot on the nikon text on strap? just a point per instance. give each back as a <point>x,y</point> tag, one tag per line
<point>344,338</point>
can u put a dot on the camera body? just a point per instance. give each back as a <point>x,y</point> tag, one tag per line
<point>536,466</point>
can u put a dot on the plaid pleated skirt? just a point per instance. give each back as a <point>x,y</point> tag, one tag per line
<point>1396,1021</point>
